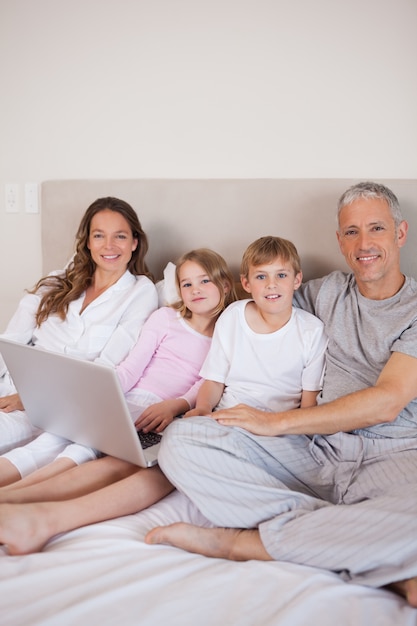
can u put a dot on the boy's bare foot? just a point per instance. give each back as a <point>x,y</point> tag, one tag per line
<point>407,589</point>
<point>22,528</point>
<point>224,543</point>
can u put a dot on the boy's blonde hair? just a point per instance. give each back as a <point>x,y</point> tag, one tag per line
<point>216,269</point>
<point>266,250</point>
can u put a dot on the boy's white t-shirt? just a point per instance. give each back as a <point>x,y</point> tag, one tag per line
<point>266,371</point>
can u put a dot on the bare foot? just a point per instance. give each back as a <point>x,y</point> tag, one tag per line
<point>22,528</point>
<point>407,589</point>
<point>224,543</point>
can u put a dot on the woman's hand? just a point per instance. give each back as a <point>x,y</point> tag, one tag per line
<point>11,403</point>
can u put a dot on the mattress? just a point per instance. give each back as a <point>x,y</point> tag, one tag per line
<point>105,574</point>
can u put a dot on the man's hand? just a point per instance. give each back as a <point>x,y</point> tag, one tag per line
<point>11,403</point>
<point>253,420</point>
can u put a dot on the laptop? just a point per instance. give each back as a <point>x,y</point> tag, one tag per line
<point>79,400</point>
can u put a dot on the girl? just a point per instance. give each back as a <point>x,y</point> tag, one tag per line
<point>175,341</point>
<point>162,371</point>
<point>94,309</point>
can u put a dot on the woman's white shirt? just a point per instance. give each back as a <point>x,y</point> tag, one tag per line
<point>105,331</point>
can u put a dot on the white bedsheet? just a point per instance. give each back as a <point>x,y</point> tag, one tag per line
<point>105,574</point>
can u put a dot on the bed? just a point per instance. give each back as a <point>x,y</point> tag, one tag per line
<point>104,573</point>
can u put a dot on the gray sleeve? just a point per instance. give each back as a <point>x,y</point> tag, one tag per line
<point>306,295</point>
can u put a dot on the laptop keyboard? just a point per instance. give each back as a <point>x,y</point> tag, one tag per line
<point>148,439</point>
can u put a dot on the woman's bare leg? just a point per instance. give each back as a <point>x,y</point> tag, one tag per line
<point>43,473</point>
<point>71,481</point>
<point>8,473</point>
<point>25,528</point>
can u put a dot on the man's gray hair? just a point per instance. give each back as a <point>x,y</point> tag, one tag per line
<point>369,189</point>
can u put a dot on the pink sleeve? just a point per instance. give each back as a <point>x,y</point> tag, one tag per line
<point>191,395</point>
<point>131,369</point>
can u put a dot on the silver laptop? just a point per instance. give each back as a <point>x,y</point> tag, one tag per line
<point>79,400</point>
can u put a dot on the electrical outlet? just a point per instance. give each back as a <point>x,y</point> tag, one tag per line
<point>12,197</point>
<point>31,198</point>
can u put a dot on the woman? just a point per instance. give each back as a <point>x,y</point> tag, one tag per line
<point>161,377</point>
<point>94,309</point>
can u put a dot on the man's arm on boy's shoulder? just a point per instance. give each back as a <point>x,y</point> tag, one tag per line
<point>381,403</point>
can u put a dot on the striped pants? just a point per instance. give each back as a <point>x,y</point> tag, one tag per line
<point>344,502</point>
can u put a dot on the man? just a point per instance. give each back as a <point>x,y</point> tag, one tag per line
<point>331,486</point>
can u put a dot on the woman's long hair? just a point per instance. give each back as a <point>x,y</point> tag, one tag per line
<point>59,291</point>
<point>217,270</point>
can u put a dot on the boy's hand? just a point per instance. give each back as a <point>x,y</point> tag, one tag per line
<point>198,411</point>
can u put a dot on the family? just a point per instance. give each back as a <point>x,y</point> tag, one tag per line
<point>298,430</point>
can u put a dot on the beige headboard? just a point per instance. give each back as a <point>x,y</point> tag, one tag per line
<point>225,215</point>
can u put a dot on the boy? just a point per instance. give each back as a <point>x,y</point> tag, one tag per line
<point>265,352</point>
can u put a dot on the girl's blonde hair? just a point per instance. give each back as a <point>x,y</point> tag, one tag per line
<point>217,270</point>
<point>265,250</point>
<point>60,291</point>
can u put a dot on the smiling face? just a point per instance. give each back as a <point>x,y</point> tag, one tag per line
<point>371,246</point>
<point>199,294</point>
<point>111,242</point>
<point>272,286</point>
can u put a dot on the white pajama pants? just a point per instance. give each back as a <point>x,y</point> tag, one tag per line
<point>15,430</point>
<point>15,427</point>
<point>344,502</point>
<point>47,447</point>
<point>28,447</point>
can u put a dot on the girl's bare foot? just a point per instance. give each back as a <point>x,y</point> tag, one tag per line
<point>22,528</point>
<point>224,543</point>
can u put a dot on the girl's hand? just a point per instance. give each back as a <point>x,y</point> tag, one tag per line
<point>253,420</point>
<point>11,403</point>
<point>156,417</point>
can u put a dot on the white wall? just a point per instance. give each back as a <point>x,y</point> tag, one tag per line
<point>199,88</point>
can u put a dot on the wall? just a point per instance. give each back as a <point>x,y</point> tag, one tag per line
<point>198,88</point>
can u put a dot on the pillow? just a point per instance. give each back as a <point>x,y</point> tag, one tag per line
<point>167,288</point>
